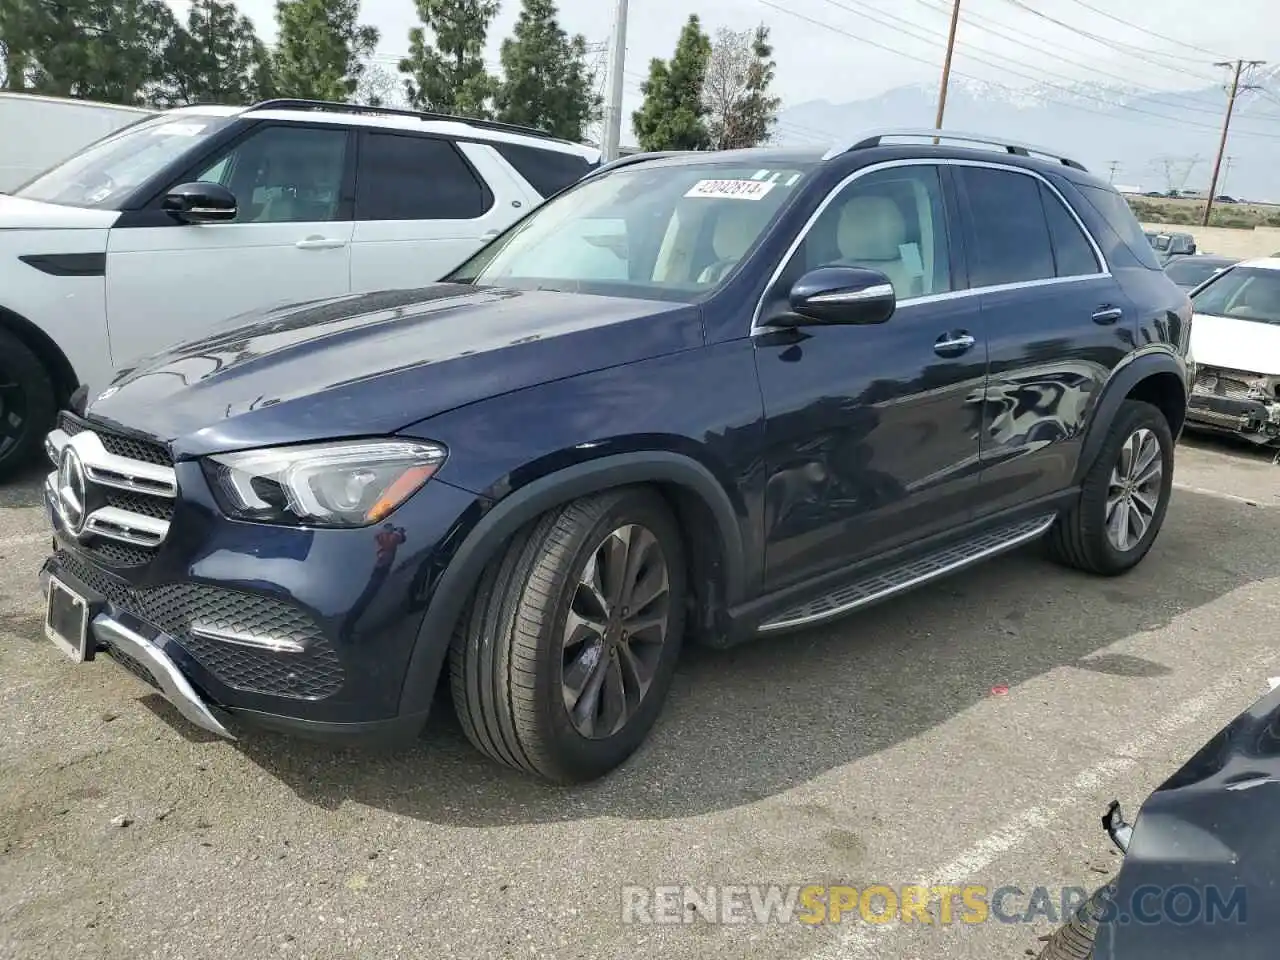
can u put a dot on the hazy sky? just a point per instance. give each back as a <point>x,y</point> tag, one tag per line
<point>827,49</point>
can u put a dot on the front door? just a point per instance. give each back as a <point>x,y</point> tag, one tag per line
<point>872,431</point>
<point>290,241</point>
<point>1057,324</point>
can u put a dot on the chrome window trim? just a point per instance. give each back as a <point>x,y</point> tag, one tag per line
<point>1104,271</point>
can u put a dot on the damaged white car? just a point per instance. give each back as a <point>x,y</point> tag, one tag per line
<point>1235,340</point>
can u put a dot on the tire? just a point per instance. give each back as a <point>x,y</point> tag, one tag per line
<point>28,404</point>
<point>1074,939</point>
<point>1080,538</point>
<point>509,656</point>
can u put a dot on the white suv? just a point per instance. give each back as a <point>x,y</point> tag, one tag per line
<point>157,233</point>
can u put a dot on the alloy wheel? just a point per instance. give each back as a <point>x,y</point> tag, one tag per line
<point>1133,493</point>
<point>617,624</point>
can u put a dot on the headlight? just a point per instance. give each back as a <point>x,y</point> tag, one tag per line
<point>345,484</point>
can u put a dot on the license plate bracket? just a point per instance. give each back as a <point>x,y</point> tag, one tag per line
<point>66,621</point>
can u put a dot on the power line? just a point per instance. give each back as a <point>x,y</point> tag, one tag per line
<point>1181,122</point>
<point>1146,30</point>
<point>1125,48</point>
<point>910,29</point>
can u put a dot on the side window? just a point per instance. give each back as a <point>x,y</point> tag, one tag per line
<point>1119,216</point>
<point>416,178</point>
<point>548,171</point>
<point>893,221</point>
<point>284,174</point>
<point>1071,249</point>
<point>1010,233</point>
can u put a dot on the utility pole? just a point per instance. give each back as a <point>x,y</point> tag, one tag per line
<point>946,66</point>
<point>1226,127</point>
<point>611,139</point>
<point>1115,165</point>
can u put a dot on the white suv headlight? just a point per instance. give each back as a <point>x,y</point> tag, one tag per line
<point>342,484</point>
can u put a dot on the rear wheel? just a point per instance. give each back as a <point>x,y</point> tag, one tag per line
<point>1124,496</point>
<point>28,404</point>
<point>564,658</point>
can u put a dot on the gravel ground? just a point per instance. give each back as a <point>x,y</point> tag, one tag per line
<point>874,751</point>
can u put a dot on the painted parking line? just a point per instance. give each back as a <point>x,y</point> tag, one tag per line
<point>42,537</point>
<point>1218,494</point>
<point>871,940</point>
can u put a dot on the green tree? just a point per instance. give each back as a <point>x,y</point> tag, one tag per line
<point>673,115</point>
<point>740,110</point>
<point>219,58</point>
<point>321,49</point>
<point>446,73</point>
<point>546,81</point>
<point>23,27</point>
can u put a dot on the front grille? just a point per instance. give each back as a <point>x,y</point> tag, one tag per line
<point>122,445</point>
<point>117,487</point>
<point>1232,384</point>
<point>173,608</point>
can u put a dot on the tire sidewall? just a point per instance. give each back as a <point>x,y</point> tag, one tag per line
<point>39,398</point>
<point>1133,416</point>
<point>578,756</point>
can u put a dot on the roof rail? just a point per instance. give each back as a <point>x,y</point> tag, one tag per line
<point>363,109</point>
<point>632,158</point>
<point>877,139</point>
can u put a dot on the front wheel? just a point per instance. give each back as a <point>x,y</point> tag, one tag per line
<point>564,658</point>
<point>28,404</point>
<point>1124,496</point>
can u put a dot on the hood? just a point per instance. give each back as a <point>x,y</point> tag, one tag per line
<point>377,363</point>
<point>19,214</point>
<point>1212,827</point>
<point>1247,345</point>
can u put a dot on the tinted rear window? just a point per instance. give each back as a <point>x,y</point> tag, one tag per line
<point>548,171</point>
<point>1114,209</point>
<point>416,178</point>
<point>1010,232</point>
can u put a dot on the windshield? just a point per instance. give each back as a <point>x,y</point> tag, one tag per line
<point>1190,271</point>
<point>1162,242</point>
<point>670,232</point>
<point>105,172</point>
<point>1243,293</point>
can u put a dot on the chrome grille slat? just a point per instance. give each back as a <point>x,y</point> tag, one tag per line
<point>128,501</point>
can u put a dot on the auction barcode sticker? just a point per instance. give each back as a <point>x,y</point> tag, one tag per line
<point>734,189</point>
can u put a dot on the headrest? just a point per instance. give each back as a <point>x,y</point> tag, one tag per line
<point>738,224</point>
<point>871,228</point>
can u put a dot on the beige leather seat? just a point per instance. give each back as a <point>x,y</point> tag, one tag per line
<point>737,226</point>
<point>870,234</point>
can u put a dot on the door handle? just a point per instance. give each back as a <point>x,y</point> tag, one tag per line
<point>953,344</point>
<point>1107,314</point>
<point>320,243</point>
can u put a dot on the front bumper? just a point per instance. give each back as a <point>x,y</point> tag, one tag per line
<point>148,661</point>
<point>1254,420</point>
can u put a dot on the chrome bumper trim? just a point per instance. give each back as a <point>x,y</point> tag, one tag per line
<point>175,687</point>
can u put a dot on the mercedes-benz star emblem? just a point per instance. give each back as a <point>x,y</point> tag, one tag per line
<point>72,491</point>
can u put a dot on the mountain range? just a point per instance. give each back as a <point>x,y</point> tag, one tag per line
<point>1156,140</point>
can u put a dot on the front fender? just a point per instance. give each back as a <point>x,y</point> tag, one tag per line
<point>503,519</point>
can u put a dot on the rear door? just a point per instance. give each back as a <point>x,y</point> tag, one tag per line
<point>423,205</point>
<point>1057,324</point>
<point>546,171</point>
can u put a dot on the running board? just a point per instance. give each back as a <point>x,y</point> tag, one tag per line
<point>911,573</point>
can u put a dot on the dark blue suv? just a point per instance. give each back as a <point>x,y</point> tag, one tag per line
<point>691,399</point>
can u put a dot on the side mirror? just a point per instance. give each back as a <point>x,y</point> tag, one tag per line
<point>200,203</point>
<point>840,295</point>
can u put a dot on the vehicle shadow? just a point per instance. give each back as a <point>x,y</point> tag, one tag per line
<point>756,721</point>
<point>23,489</point>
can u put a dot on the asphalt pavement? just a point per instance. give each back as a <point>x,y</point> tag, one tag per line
<point>971,732</point>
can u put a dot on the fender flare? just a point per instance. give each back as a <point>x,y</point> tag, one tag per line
<point>1143,365</point>
<point>454,587</point>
